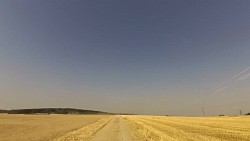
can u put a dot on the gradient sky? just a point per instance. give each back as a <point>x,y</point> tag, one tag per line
<point>145,56</point>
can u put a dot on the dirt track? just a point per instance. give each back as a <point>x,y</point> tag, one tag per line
<point>115,130</point>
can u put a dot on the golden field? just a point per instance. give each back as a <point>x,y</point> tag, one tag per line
<point>42,127</point>
<point>159,128</point>
<point>122,128</point>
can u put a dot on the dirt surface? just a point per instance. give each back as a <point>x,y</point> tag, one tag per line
<point>115,130</point>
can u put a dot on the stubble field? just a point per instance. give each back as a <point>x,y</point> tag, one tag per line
<point>42,127</point>
<point>160,128</point>
<point>122,128</point>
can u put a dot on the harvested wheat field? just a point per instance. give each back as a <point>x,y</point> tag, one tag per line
<point>123,128</point>
<point>160,128</point>
<point>42,127</point>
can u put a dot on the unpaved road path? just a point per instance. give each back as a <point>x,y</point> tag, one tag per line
<point>115,130</point>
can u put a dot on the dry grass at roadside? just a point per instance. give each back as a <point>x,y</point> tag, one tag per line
<point>85,132</point>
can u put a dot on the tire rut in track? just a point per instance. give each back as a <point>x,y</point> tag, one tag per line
<point>115,130</point>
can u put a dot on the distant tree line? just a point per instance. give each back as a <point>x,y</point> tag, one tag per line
<point>51,111</point>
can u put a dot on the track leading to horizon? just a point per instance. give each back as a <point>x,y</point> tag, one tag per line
<point>114,130</point>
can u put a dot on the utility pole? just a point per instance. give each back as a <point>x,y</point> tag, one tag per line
<point>240,112</point>
<point>203,111</point>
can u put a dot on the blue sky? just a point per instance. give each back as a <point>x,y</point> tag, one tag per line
<point>148,57</point>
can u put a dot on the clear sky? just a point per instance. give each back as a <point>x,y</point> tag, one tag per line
<point>133,56</point>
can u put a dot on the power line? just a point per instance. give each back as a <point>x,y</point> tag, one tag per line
<point>203,111</point>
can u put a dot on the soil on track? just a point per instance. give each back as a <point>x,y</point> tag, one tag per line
<point>115,130</point>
